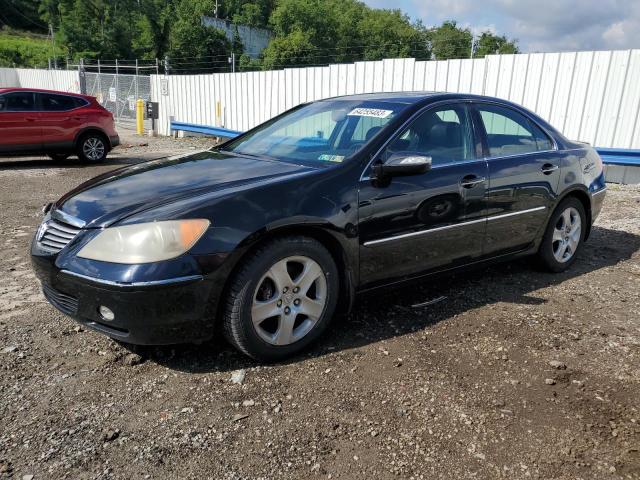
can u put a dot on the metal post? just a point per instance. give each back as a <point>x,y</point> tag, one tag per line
<point>49,63</point>
<point>116,79</point>
<point>99,89</point>
<point>136,79</point>
<point>167,68</point>
<point>157,67</point>
<point>82,77</point>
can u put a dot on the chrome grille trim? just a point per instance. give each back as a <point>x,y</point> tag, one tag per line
<point>55,235</point>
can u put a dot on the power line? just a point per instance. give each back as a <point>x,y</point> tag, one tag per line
<point>37,24</point>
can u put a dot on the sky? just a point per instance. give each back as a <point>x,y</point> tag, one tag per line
<point>538,25</point>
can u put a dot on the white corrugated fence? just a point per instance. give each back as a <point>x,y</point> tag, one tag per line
<point>589,96</point>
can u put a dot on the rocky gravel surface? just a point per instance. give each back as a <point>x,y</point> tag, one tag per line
<point>514,374</point>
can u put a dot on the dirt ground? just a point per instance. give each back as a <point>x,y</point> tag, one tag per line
<point>516,374</point>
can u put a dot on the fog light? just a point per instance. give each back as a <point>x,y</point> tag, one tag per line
<point>106,313</point>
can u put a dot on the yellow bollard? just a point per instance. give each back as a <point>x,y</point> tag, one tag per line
<point>140,116</point>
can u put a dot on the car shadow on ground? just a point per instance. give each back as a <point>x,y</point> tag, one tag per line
<point>389,313</point>
<point>21,163</point>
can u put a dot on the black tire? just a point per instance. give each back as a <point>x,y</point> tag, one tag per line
<point>238,326</point>
<point>92,147</point>
<point>58,157</point>
<point>546,258</point>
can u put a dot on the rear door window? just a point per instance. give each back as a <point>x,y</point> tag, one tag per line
<point>511,133</point>
<point>58,103</point>
<point>17,102</point>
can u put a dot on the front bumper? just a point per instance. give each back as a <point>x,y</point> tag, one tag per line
<point>172,311</point>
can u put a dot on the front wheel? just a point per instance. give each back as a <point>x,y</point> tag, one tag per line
<point>281,299</point>
<point>92,148</point>
<point>564,236</point>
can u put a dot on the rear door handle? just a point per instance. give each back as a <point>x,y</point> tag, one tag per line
<point>548,168</point>
<point>30,119</point>
<point>471,181</point>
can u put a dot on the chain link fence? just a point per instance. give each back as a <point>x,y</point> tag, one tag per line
<point>118,94</point>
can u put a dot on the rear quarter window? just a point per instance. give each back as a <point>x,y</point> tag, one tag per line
<point>58,103</point>
<point>511,133</point>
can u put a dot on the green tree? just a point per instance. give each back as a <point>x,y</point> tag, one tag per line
<point>328,31</point>
<point>194,46</point>
<point>489,43</point>
<point>394,35</point>
<point>450,41</point>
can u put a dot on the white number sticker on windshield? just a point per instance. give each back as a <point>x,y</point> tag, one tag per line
<point>331,158</point>
<point>370,112</point>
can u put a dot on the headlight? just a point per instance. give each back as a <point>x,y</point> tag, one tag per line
<point>145,242</point>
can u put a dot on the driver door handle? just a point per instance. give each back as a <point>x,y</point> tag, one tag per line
<point>548,168</point>
<point>471,181</point>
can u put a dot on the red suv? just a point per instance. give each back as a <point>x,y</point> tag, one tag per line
<point>54,123</point>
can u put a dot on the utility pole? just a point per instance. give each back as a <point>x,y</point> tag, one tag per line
<point>473,41</point>
<point>215,10</point>
<point>167,67</point>
<point>232,61</point>
<point>53,43</point>
<point>157,67</point>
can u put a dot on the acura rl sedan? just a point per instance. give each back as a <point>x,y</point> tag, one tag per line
<point>266,237</point>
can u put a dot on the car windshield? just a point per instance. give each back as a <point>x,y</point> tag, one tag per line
<point>324,132</point>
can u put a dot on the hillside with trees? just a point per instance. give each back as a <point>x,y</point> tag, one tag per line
<point>306,32</point>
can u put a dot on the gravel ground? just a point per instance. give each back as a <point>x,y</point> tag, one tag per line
<point>515,374</point>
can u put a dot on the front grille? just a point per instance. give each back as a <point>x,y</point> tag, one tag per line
<point>55,235</point>
<point>65,303</point>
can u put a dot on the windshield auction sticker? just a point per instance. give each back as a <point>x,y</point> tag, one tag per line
<point>331,158</point>
<point>370,112</point>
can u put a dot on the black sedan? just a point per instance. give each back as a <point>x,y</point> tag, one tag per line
<point>270,234</point>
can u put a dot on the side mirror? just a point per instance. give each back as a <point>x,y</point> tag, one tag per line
<point>402,164</point>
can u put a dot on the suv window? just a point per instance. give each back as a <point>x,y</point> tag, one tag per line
<point>17,102</point>
<point>443,133</point>
<point>59,103</point>
<point>511,133</point>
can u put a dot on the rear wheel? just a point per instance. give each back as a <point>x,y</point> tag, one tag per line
<point>281,299</point>
<point>564,236</point>
<point>92,148</point>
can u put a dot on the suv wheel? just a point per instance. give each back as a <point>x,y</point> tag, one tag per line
<point>564,236</point>
<point>92,148</point>
<point>281,299</point>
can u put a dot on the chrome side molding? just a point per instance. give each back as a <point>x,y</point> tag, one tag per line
<point>447,227</point>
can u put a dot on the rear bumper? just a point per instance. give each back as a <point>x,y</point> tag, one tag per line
<point>114,140</point>
<point>597,199</point>
<point>154,313</point>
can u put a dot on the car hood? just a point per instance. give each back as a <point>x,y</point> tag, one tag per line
<point>116,195</point>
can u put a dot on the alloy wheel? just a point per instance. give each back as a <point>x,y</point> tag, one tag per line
<point>289,300</point>
<point>566,235</point>
<point>93,148</point>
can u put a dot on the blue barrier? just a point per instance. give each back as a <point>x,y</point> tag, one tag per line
<point>610,156</point>
<point>215,131</point>
<point>619,156</point>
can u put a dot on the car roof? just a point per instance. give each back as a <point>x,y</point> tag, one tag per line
<point>413,97</point>
<point>41,90</point>
<point>395,97</point>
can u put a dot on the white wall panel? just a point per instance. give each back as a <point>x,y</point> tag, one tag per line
<point>590,96</point>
